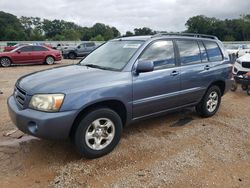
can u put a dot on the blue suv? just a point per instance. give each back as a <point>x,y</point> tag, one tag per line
<point>122,81</point>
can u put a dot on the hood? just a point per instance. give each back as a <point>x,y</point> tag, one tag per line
<point>69,48</point>
<point>244,58</point>
<point>5,53</point>
<point>69,79</point>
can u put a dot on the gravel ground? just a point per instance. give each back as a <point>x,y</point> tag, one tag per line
<point>176,150</point>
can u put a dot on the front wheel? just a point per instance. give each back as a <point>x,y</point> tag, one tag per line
<point>98,133</point>
<point>248,91</point>
<point>210,103</point>
<point>72,55</point>
<point>244,87</point>
<point>49,60</point>
<point>234,86</point>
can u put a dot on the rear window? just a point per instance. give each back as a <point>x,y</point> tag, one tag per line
<point>189,52</point>
<point>39,48</point>
<point>213,51</point>
<point>26,49</point>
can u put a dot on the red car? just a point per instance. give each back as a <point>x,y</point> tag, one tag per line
<point>30,54</point>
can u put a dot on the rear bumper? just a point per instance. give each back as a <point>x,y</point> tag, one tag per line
<point>41,124</point>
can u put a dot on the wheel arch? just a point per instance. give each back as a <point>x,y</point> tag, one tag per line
<point>6,57</point>
<point>221,84</point>
<point>115,105</point>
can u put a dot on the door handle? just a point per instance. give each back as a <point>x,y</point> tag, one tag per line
<point>207,67</point>
<point>174,73</point>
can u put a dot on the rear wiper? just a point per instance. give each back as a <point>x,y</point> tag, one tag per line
<point>98,66</point>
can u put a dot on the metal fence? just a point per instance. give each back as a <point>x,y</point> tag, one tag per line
<point>74,43</point>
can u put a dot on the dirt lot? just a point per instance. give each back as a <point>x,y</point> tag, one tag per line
<point>177,150</point>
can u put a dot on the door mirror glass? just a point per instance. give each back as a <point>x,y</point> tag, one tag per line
<point>145,66</point>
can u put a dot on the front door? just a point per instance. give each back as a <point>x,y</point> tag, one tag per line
<point>157,91</point>
<point>23,55</point>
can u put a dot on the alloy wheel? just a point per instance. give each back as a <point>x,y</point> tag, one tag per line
<point>100,133</point>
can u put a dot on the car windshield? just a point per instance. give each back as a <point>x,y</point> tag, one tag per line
<point>113,55</point>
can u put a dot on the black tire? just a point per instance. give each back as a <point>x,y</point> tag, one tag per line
<point>71,55</point>
<point>203,109</point>
<point>234,86</point>
<point>5,62</point>
<point>87,147</point>
<point>49,60</point>
<point>248,92</point>
<point>244,87</point>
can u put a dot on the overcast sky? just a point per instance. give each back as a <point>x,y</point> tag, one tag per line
<point>167,15</point>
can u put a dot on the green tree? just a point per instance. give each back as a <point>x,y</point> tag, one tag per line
<point>97,38</point>
<point>144,31</point>
<point>10,27</point>
<point>128,34</point>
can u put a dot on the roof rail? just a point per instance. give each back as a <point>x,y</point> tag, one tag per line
<point>187,35</point>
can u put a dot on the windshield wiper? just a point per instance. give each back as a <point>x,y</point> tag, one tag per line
<point>99,67</point>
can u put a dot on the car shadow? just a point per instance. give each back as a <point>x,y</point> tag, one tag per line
<point>29,149</point>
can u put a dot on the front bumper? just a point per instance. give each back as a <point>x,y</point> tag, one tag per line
<point>41,124</point>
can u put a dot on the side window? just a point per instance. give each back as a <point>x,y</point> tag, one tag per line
<point>90,44</point>
<point>189,52</point>
<point>81,46</point>
<point>203,52</point>
<point>39,48</point>
<point>161,53</point>
<point>26,49</point>
<point>213,51</point>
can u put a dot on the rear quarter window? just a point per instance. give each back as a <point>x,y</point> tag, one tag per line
<point>213,51</point>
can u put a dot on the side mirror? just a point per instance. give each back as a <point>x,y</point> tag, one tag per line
<point>145,66</point>
<point>78,47</point>
<point>18,51</point>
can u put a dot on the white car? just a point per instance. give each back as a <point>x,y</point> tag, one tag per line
<point>242,65</point>
<point>237,49</point>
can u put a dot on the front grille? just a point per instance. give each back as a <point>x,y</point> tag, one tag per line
<point>246,65</point>
<point>20,96</point>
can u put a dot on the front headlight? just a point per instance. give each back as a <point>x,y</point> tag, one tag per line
<point>47,102</point>
<point>239,62</point>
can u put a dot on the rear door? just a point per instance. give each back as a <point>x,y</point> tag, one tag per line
<point>39,54</point>
<point>157,91</point>
<point>23,55</point>
<point>196,70</point>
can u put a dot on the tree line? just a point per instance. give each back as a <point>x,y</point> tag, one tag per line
<point>37,29</point>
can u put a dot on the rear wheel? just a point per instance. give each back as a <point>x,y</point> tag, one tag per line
<point>5,62</point>
<point>49,60</point>
<point>210,103</point>
<point>98,133</point>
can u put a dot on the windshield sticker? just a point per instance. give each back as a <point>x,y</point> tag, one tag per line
<point>131,46</point>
